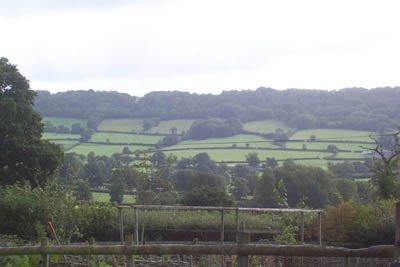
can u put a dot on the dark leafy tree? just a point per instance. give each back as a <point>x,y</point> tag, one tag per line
<point>253,159</point>
<point>332,148</point>
<point>181,179</point>
<point>126,150</point>
<point>185,163</point>
<point>117,191</point>
<point>70,168</point>
<point>207,196</point>
<point>347,189</point>
<point>24,156</point>
<point>202,129</point>
<point>271,162</point>
<point>83,191</point>
<point>311,185</point>
<point>202,163</point>
<point>240,188</point>
<point>93,171</point>
<point>76,128</point>
<point>342,169</point>
<point>264,191</point>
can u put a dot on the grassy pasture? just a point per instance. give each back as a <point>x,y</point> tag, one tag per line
<point>106,150</point>
<point>324,145</point>
<point>265,126</point>
<point>165,126</point>
<point>105,197</point>
<point>67,122</point>
<point>348,155</point>
<point>240,140</point>
<point>333,134</point>
<point>52,136</point>
<point>125,138</point>
<point>240,154</point>
<point>121,125</point>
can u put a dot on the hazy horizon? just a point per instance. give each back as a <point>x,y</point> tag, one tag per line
<point>219,92</point>
<point>202,46</point>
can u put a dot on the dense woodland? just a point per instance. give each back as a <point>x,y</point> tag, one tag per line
<point>353,108</point>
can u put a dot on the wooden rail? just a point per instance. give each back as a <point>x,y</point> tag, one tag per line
<point>381,251</point>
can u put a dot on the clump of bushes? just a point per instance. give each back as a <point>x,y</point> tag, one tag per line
<point>366,224</point>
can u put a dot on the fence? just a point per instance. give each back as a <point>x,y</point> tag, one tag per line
<point>222,211</point>
<point>242,248</point>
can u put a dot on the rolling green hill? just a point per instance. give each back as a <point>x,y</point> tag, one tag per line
<point>265,126</point>
<point>113,133</point>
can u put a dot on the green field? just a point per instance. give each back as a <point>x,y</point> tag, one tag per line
<point>324,145</point>
<point>67,122</point>
<point>348,155</point>
<point>125,138</point>
<point>165,126</point>
<point>189,148</point>
<point>105,197</point>
<point>121,125</point>
<point>333,134</point>
<point>240,154</point>
<point>106,150</point>
<point>239,140</point>
<point>265,126</point>
<point>52,136</point>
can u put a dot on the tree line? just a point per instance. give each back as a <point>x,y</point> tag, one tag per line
<point>352,108</point>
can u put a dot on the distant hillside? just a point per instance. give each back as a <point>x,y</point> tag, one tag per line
<point>354,108</point>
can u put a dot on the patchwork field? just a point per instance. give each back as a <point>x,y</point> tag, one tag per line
<point>240,154</point>
<point>348,155</point>
<point>121,125</point>
<point>54,136</point>
<point>136,125</point>
<point>333,134</point>
<point>67,122</point>
<point>324,145</point>
<point>265,126</point>
<point>165,126</point>
<point>239,140</point>
<point>234,148</point>
<point>106,150</point>
<point>125,138</point>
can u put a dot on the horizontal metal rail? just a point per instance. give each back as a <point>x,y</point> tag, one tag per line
<point>192,208</point>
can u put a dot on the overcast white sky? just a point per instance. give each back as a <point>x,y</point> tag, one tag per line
<point>202,46</point>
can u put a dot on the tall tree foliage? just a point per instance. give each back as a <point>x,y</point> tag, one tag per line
<point>24,156</point>
<point>386,172</point>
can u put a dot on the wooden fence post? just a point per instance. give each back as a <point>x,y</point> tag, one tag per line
<point>302,227</point>
<point>129,261</point>
<point>237,225</point>
<point>45,257</point>
<point>121,226</point>
<point>320,228</point>
<point>222,233</point>
<point>244,238</point>
<point>396,254</point>
<point>136,224</point>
